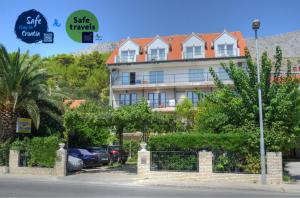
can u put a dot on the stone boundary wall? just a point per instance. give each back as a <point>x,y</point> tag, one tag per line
<point>206,174</point>
<point>59,168</point>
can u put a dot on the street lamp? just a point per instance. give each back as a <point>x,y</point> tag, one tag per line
<point>255,27</point>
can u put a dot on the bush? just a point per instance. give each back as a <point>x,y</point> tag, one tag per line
<point>199,141</point>
<point>41,150</point>
<point>132,147</point>
<point>4,154</point>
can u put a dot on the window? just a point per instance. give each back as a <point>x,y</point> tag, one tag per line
<point>156,77</point>
<point>128,56</point>
<point>157,100</point>
<point>192,52</point>
<point>157,54</point>
<point>127,99</point>
<point>222,74</point>
<point>225,50</point>
<point>193,96</point>
<point>125,78</point>
<point>196,75</point>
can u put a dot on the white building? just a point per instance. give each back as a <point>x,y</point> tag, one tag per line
<point>166,69</point>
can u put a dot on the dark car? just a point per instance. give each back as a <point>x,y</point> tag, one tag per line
<point>117,155</point>
<point>102,153</point>
<point>89,159</point>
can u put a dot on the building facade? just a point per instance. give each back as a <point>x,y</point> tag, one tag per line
<point>165,69</point>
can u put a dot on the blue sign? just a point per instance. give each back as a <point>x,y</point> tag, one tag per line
<point>32,27</point>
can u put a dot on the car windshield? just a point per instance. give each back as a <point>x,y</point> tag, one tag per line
<point>97,149</point>
<point>115,148</point>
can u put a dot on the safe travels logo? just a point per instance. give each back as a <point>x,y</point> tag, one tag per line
<point>32,27</point>
<point>81,25</point>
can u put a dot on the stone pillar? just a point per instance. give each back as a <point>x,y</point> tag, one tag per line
<point>274,167</point>
<point>14,158</point>
<point>205,162</point>
<point>60,167</point>
<point>143,163</point>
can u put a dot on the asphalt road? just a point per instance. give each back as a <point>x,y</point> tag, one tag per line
<point>25,187</point>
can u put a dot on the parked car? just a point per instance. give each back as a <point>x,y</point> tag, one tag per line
<point>89,159</point>
<point>102,153</point>
<point>74,164</point>
<point>117,155</point>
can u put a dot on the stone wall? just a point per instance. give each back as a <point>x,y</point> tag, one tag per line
<point>206,174</point>
<point>59,168</point>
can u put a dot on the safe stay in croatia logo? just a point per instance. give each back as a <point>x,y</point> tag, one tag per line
<point>81,25</point>
<point>32,27</point>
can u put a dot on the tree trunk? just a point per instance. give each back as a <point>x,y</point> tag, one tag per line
<point>8,120</point>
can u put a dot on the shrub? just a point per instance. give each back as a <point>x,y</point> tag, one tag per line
<point>132,147</point>
<point>198,141</point>
<point>4,154</point>
<point>41,150</point>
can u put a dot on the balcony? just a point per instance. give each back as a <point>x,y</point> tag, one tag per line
<point>156,57</point>
<point>169,80</point>
<point>125,59</point>
<point>227,52</point>
<point>192,55</point>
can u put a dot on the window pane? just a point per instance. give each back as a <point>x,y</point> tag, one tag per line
<point>124,56</point>
<point>189,52</point>
<point>127,99</point>
<point>133,98</point>
<point>230,50</point>
<point>222,74</point>
<point>125,78</point>
<point>196,75</point>
<point>160,76</point>
<point>163,99</point>
<point>154,54</point>
<point>198,50</point>
<point>161,54</point>
<point>221,49</point>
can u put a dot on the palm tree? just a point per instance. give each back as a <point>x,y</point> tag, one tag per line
<point>23,88</point>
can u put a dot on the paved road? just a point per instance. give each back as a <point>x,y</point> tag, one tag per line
<point>53,187</point>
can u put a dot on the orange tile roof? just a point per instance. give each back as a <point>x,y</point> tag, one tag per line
<point>74,103</point>
<point>175,42</point>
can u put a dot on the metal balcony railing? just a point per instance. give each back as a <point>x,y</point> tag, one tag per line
<point>152,103</point>
<point>169,78</point>
<point>125,59</point>
<point>156,57</point>
<point>227,52</point>
<point>192,55</point>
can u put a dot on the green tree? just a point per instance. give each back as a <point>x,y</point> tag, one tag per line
<point>23,91</point>
<point>185,112</point>
<point>237,106</point>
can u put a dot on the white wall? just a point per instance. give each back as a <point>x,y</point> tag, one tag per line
<point>225,38</point>
<point>194,41</point>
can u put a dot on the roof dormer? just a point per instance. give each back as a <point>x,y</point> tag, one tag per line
<point>128,51</point>
<point>225,45</point>
<point>193,47</point>
<point>157,49</point>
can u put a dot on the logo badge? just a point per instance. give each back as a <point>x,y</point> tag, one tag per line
<point>81,25</point>
<point>32,27</point>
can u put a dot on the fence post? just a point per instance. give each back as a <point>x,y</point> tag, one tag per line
<point>60,167</point>
<point>274,167</point>
<point>14,157</point>
<point>143,163</point>
<point>205,162</point>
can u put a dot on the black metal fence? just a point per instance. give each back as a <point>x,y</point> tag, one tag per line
<point>232,162</point>
<point>180,161</point>
<point>23,159</point>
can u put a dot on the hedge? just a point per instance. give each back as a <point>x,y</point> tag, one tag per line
<point>199,141</point>
<point>41,150</point>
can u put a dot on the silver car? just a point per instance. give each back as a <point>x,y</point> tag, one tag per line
<point>74,164</point>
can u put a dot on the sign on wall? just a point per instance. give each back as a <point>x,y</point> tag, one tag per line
<point>81,25</point>
<point>23,125</point>
<point>32,27</point>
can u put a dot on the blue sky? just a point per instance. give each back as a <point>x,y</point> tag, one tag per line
<point>146,18</point>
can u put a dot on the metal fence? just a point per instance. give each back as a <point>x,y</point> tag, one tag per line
<point>23,159</point>
<point>233,162</point>
<point>180,161</point>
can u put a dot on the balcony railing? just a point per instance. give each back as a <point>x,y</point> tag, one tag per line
<point>156,57</point>
<point>192,55</point>
<point>152,103</point>
<point>169,78</point>
<point>227,52</point>
<point>126,59</point>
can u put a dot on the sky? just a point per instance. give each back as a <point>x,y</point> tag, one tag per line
<point>120,19</point>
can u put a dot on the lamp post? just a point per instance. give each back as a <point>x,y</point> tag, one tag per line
<point>255,27</point>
